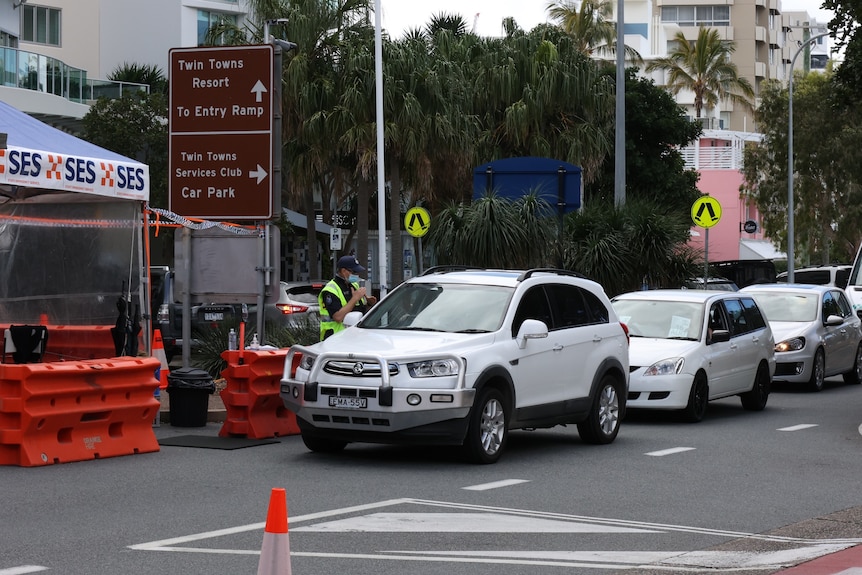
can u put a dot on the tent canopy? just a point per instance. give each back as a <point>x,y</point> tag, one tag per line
<point>71,227</point>
<point>37,158</point>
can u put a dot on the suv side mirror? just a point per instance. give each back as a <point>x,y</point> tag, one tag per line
<point>530,329</point>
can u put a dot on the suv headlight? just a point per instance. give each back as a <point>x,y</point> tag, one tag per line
<point>792,344</point>
<point>433,368</point>
<point>671,366</point>
<point>306,361</point>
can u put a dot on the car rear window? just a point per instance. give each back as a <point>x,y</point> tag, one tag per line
<point>305,293</point>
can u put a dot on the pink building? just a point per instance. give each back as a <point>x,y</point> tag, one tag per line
<point>738,234</point>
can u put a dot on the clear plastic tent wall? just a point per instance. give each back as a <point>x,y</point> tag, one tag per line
<point>69,263</point>
<point>71,227</point>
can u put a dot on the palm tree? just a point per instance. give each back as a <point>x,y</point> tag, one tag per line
<point>589,24</point>
<point>704,68</point>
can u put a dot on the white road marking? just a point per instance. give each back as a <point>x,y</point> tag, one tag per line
<point>670,451</point>
<point>460,523</point>
<point>797,427</point>
<point>23,570</point>
<point>468,515</point>
<point>851,571</point>
<point>496,484</point>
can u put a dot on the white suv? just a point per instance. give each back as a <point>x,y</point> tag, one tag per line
<point>461,356</point>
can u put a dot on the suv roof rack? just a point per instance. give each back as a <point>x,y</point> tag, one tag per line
<point>449,268</point>
<point>529,273</point>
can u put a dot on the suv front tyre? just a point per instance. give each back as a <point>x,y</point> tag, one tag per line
<point>489,427</point>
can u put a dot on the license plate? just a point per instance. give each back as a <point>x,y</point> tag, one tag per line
<point>213,316</point>
<point>349,402</point>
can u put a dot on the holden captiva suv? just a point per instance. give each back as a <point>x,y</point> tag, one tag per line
<point>461,356</point>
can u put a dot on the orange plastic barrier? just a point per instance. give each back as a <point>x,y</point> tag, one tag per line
<point>77,410</point>
<point>77,342</point>
<point>251,396</point>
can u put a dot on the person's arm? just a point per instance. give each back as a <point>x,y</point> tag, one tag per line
<point>357,295</point>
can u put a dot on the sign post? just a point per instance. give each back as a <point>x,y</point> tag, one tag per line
<point>706,212</point>
<point>220,124</point>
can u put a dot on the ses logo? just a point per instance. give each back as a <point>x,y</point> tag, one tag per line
<point>74,170</point>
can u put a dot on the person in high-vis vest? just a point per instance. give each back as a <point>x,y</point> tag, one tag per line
<point>341,296</point>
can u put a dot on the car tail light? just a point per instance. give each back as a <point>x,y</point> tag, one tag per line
<point>626,331</point>
<point>164,314</point>
<point>289,308</point>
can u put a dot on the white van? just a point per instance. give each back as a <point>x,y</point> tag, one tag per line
<point>854,284</point>
<point>835,275</point>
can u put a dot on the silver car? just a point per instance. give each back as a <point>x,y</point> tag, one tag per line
<point>297,304</point>
<point>816,332</point>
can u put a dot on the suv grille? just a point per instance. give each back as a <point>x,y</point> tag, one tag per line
<point>358,369</point>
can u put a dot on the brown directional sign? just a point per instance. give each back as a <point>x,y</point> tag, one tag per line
<point>220,160</point>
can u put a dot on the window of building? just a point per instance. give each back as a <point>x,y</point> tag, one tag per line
<point>207,19</point>
<point>818,61</point>
<point>696,15</point>
<point>40,25</point>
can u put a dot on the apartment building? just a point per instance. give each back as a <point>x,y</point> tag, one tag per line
<point>765,40</point>
<point>55,55</point>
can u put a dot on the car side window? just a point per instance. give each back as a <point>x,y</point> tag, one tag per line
<point>597,309</point>
<point>717,320</point>
<point>830,306</point>
<point>534,305</point>
<point>567,303</point>
<point>843,303</point>
<point>753,316</point>
<point>736,314</point>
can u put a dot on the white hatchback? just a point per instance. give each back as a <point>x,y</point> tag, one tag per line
<point>689,347</point>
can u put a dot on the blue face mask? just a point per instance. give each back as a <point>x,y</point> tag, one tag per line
<point>353,278</point>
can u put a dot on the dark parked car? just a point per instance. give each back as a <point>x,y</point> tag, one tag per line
<point>168,313</point>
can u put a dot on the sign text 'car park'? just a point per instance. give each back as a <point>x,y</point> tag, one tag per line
<point>221,132</point>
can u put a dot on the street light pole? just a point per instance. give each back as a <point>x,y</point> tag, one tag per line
<point>790,237</point>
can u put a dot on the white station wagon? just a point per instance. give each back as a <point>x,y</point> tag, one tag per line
<point>689,347</point>
<point>460,357</point>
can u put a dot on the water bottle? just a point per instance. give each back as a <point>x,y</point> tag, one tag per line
<point>254,343</point>
<point>231,339</point>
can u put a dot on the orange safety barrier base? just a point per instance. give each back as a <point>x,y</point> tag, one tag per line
<point>77,342</point>
<point>251,396</point>
<point>77,410</point>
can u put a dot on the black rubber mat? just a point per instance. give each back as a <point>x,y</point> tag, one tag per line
<point>210,442</point>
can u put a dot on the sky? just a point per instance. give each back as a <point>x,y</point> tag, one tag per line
<point>399,15</point>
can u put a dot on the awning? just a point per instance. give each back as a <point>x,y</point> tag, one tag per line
<point>298,220</point>
<point>39,157</point>
<point>759,250</point>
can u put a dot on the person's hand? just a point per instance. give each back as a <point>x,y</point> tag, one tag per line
<point>358,294</point>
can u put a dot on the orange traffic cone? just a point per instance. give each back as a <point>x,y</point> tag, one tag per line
<point>159,353</point>
<point>275,553</point>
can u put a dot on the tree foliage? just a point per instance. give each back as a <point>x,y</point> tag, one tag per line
<point>135,126</point>
<point>827,145</point>
<point>656,129</point>
<point>704,67</point>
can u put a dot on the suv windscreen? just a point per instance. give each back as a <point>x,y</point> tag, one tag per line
<point>441,307</point>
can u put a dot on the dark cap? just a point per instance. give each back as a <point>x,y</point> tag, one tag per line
<point>350,263</point>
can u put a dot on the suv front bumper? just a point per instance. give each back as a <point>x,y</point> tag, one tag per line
<point>376,409</point>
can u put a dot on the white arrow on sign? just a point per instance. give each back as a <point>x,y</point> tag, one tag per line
<point>259,173</point>
<point>258,90</point>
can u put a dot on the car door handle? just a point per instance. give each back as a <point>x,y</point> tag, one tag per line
<point>597,338</point>
<point>557,347</point>
<point>755,339</point>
